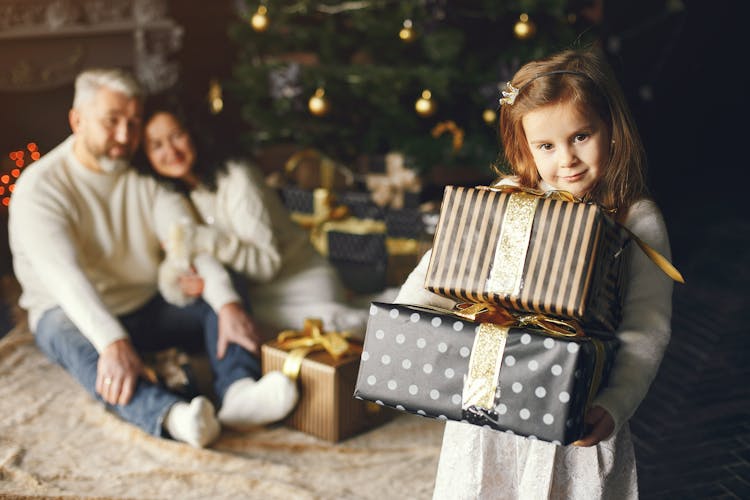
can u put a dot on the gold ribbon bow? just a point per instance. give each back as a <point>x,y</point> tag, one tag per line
<point>311,338</point>
<point>329,171</point>
<point>657,258</point>
<point>389,189</point>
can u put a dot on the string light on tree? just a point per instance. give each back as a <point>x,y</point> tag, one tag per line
<point>524,27</point>
<point>19,160</point>
<point>489,116</point>
<point>259,21</point>
<point>407,33</point>
<point>215,97</point>
<point>319,104</point>
<point>425,105</point>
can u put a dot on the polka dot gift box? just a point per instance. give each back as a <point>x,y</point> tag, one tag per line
<point>521,380</point>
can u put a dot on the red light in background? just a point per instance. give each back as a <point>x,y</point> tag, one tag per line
<point>6,201</point>
<point>35,155</point>
<point>4,178</point>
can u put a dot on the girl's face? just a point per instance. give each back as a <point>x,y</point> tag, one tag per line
<point>168,146</point>
<point>569,144</point>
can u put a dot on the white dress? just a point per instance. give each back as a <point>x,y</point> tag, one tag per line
<point>289,280</point>
<point>479,463</point>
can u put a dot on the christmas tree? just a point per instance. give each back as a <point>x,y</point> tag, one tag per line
<point>352,78</point>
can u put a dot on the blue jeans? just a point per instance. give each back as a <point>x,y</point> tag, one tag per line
<point>156,325</point>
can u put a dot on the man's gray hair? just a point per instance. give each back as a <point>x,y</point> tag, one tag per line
<point>90,81</point>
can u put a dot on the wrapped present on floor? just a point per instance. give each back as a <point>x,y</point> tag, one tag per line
<point>530,253</point>
<point>536,378</point>
<point>325,364</point>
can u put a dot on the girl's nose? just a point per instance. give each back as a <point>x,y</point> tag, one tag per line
<point>565,157</point>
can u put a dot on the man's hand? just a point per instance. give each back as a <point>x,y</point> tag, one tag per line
<point>117,372</point>
<point>191,284</point>
<point>237,327</point>
<point>601,426</point>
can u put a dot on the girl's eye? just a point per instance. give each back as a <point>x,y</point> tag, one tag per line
<point>545,147</point>
<point>581,137</point>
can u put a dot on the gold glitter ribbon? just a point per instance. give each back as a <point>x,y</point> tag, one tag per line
<point>311,338</point>
<point>351,225</point>
<point>510,252</point>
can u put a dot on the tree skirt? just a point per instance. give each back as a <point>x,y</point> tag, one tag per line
<point>57,442</point>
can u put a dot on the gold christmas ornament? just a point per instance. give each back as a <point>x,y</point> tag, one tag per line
<point>318,103</point>
<point>425,106</point>
<point>524,28</point>
<point>457,133</point>
<point>215,97</point>
<point>407,33</point>
<point>259,21</point>
<point>489,116</point>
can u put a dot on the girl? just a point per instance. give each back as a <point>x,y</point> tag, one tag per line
<point>564,125</point>
<point>246,227</point>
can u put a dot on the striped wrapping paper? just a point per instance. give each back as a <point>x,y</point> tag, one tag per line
<point>530,254</point>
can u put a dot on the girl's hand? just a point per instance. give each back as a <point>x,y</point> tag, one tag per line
<point>237,327</point>
<point>601,424</point>
<point>191,284</point>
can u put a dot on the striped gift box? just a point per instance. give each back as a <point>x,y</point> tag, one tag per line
<point>529,254</point>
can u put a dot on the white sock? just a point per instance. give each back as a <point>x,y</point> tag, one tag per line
<point>249,403</point>
<point>194,423</point>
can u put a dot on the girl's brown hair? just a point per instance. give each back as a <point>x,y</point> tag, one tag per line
<point>585,77</point>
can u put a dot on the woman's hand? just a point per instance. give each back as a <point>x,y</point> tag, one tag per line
<point>235,326</point>
<point>191,283</point>
<point>601,424</point>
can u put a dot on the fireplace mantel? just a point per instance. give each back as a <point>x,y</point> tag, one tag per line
<point>45,43</point>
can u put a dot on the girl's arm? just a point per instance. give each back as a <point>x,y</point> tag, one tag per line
<point>645,329</point>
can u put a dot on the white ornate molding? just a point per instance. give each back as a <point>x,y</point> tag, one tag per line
<point>45,43</point>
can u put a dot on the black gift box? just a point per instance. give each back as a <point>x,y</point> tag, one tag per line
<point>360,259</point>
<point>417,360</point>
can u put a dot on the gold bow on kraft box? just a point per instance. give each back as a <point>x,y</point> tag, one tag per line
<point>531,253</point>
<point>325,365</point>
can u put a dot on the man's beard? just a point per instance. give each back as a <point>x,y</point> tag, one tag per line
<point>111,165</point>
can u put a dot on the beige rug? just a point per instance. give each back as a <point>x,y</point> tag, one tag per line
<point>57,442</point>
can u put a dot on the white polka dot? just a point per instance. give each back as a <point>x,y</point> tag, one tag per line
<point>449,373</point>
<point>556,370</point>
<point>510,432</point>
<point>399,407</point>
<point>556,442</point>
<point>392,385</point>
<point>385,359</point>
<point>573,347</point>
<point>525,338</point>
<point>464,352</point>
<point>436,322</point>
<point>421,343</point>
<point>524,414</point>
<point>434,394</point>
<point>377,401</point>
<point>458,326</point>
<point>456,399</point>
<point>421,412</point>
<point>393,313</point>
<point>414,318</point>
<point>427,368</point>
<point>501,409</point>
<point>549,343</point>
<point>373,310</point>
<point>533,365</point>
<point>413,390</point>
<point>540,392</point>
<point>379,334</point>
<point>531,437</point>
<point>400,338</point>
<point>517,387</point>
<point>564,397</point>
<point>406,364</point>
<point>548,419</point>
<point>510,360</point>
<point>372,380</point>
<point>476,329</point>
<point>442,347</point>
<point>442,417</point>
<point>365,355</point>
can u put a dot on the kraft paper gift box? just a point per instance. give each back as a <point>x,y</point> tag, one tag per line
<point>327,408</point>
<point>437,364</point>
<point>529,253</point>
